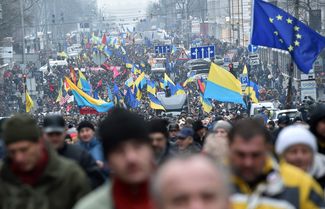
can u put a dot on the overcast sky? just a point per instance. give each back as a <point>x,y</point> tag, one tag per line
<point>125,7</point>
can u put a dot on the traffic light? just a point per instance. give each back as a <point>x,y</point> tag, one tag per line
<point>62,17</point>
<point>53,18</point>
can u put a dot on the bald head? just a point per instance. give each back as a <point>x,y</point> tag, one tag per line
<point>194,182</point>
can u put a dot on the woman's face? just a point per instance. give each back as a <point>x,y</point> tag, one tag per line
<point>299,155</point>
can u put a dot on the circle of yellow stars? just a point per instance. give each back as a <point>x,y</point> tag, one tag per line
<point>297,35</point>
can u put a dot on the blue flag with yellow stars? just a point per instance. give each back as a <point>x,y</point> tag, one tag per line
<point>273,27</point>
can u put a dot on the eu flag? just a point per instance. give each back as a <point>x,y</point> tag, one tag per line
<point>273,27</point>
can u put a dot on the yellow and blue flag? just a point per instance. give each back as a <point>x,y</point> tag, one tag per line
<point>273,27</point>
<point>84,100</point>
<point>83,83</point>
<point>168,81</point>
<point>151,87</point>
<point>155,103</point>
<point>139,79</point>
<point>223,86</point>
<point>206,104</point>
<point>129,82</point>
<point>130,99</point>
<point>252,91</point>
<point>180,89</point>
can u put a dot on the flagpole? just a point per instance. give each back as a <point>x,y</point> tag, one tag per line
<point>291,68</point>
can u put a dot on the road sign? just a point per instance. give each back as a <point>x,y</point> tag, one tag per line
<point>243,79</point>
<point>254,59</point>
<point>162,49</point>
<point>202,52</point>
<point>252,48</point>
<point>308,88</point>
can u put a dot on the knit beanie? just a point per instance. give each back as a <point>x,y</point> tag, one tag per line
<point>85,124</point>
<point>120,126</point>
<point>158,126</point>
<point>21,127</point>
<point>292,135</point>
<point>222,124</point>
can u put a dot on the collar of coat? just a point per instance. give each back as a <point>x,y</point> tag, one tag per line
<point>52,170</point>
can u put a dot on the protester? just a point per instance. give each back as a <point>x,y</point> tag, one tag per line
<point>297,146</point>
<point>186,143</point>
<point>2,146</point>
<point>158,135</point>
<point>216,147</point>
<point>200,132</point>
<point>54,129</point>
<point>33,175</point>
<point>173,131</point>
<point>258,181</point>
<point>191,183</point>
<point>317,126</point>
<point>222,128</point>
<point>129,154</point>
<point>88,141</point>
<point>283,122</point>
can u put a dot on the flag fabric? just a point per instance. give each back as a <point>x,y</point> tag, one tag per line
<point>128,65</point>
<point>139,79</point>
<point>83,83</point>
<point>155,103</point>
<point>66,86</point>
<point>201,84</point>
<point>58,99</point>
<point>138,93</point>
<point>245,71</point>
<point>223,86</point>
<point>64,99</point>
<point>129,82</point>
<point>189,80</point>
<point>99,84</point>
<point>115,72</point>
<point>252,91</point>
<point>107,51</point>
<point>151,87</point>
<point>104,40</point>
<point>116,92</point>
<point>130,99</point>
<point>73,75</point>
<point>29,102</point>
<point>206,104</point>
<point>84,100</point>
<point>161,84</point>
<point>273,27</point>
<point>168,81</point>
<point>180,89</point>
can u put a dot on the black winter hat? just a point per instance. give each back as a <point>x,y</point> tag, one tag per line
<point>21,127</point>
<point>158,126</point>
<point>198,125</point>
<point>317,115</point>
<point>120,126</point>
<point>54,124</point>
<point>85,124</point>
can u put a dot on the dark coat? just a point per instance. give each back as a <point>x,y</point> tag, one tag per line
<point>60,186</point>
<point>86,162</point>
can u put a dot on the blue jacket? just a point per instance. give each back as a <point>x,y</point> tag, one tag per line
<point>94,148</point>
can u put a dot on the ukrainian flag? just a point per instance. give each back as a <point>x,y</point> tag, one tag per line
<point>155,103</point>
<point>151,87</point>
<point>252,91</point>
<point>139,79</point>
<point>84,100</point>
<point>168,81</point>
<point>83,83</point>
<point>223,86</point>
<point>206,104</point>
<point>129,82</point>
<point>180,89</point>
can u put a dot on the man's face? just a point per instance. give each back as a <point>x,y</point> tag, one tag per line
<point>320,128</point>
<point>248,157</point>
<point>132,162</point>
<point>158,142</point>
<point>24,154</point>
<point>202,132</point>
<point>173,133</point>
<point>299,155</point>
<point>56,139</point>
<point>193,187</point>
<point>220,132</point>
<point>86,134</point>
<point>183,143</point>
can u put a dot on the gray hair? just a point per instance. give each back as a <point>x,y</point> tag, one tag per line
<point>156,181</point>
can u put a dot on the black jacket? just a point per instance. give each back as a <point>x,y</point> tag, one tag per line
<point>86,162</point>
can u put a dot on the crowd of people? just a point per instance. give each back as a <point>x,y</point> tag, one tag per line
<point>125,161</point>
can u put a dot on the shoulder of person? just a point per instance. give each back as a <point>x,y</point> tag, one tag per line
<point>99,199</point>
